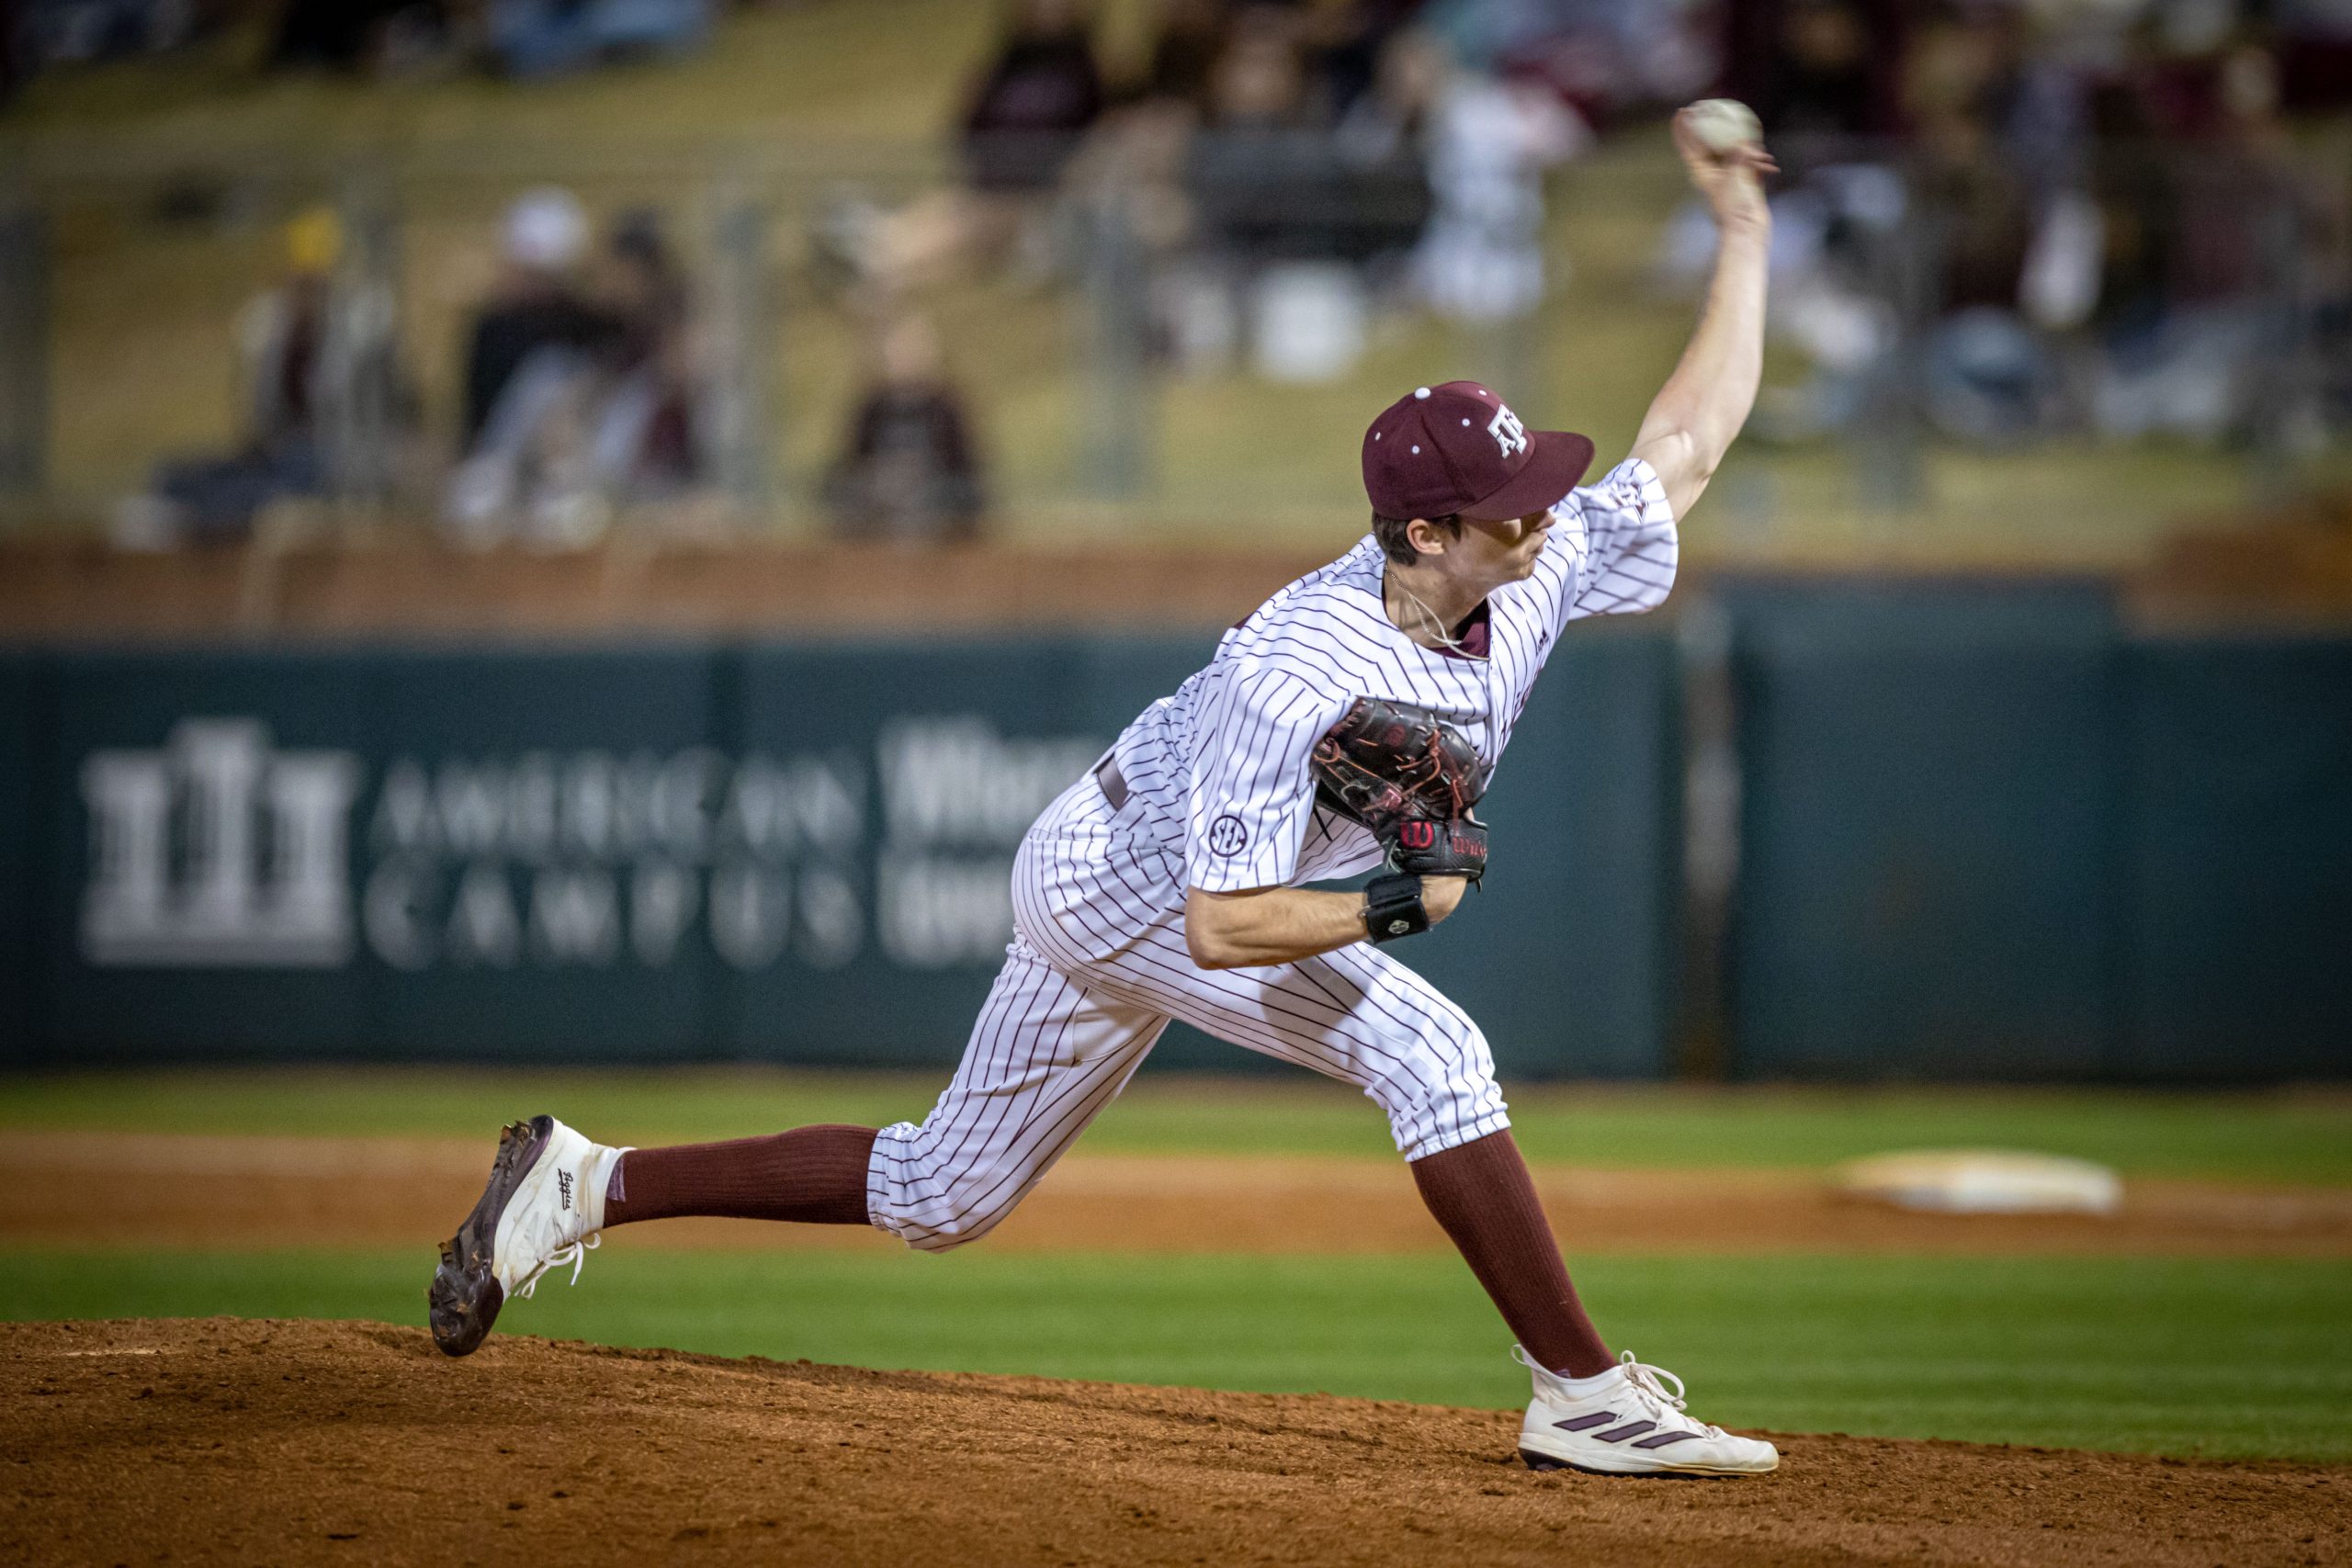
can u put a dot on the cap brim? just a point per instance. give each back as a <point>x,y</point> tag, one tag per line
<point>1554,466</point>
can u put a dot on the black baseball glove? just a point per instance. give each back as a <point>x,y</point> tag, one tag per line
<point>1411,777</point>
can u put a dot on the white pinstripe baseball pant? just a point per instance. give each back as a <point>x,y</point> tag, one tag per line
<point>1097,970</point>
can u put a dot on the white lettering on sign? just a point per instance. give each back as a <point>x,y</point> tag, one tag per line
<point>956,781</point>
<point>956,797</point>
<point>938,910</point>
<point>221,849</point>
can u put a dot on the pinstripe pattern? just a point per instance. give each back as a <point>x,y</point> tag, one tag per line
<point>1219,798</point>
<point>1046,1055</point>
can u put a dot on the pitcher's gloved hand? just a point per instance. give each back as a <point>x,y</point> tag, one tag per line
<point>1424,848</point>
<point>1411,777</point>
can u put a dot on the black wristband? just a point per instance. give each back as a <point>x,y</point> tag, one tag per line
<point>1392,907</point>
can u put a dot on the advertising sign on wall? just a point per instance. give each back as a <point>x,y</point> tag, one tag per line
<point>786,852</point>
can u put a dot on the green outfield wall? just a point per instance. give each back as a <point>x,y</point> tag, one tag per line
<point>2238,860</point>
<point>1982,833</point>
<point>1928,829</point>
<point>23,838</point>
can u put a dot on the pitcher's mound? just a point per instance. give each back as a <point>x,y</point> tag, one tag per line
<point>227,1440</point>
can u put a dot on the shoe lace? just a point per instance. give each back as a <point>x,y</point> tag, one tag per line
<point>1648,1384</point>
<point>575,1254</point>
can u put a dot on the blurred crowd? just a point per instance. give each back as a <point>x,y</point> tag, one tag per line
<point>579,395</point>
<point>2023,217</point>
<point>327,407</point>
<point>1277,170</point>
<point>584,400</point>
<point>2015,218</point>
<point>2058,217</point>
<point>520,38</point>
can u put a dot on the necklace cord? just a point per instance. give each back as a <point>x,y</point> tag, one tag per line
<point>1437,627</point>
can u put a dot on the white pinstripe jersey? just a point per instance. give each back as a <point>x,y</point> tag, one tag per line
<point>1220,769</point>
<point>1218,796</point>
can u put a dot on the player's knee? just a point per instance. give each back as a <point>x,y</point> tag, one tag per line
<point>958,1212</point>
<point>1443,1121</point>
<point>1454,1101</point>
<point>946,1232</point>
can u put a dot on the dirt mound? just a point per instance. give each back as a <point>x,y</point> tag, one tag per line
<point>83,1188</point>
<point>227,1440</point>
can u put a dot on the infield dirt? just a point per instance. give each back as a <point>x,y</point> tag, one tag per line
<point>114,1190</point>
<point>226,1441</point>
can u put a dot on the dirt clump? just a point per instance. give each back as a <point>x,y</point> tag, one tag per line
<point>226,1441</point>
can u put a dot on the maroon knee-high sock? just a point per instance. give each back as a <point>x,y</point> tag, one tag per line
<point>1481,1194</point>
<point>815,1175</point>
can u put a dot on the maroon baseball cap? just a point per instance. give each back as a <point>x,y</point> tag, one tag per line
<point>1455,447</point>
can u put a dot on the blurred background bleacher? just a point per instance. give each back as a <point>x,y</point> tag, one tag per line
<point>2054,282</point>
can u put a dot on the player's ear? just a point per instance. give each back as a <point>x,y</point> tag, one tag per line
<point>1426,537</point>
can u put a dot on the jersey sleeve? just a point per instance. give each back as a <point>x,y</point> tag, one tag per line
<point>1630,545</point>
<point>1250,798</point>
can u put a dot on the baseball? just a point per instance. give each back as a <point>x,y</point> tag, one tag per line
<point>1724,124</point>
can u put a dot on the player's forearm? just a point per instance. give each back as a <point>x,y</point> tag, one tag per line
<point>1283,925</point>
<point>1274,925</point>
<point>1698,413</point>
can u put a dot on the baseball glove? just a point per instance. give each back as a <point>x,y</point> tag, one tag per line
<point>1411,777</point>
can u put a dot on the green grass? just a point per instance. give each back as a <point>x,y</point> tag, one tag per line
<point>2303,1137</point>
<point>2236,1359</point>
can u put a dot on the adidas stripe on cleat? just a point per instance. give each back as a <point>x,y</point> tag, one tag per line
<point>1623,1422</point>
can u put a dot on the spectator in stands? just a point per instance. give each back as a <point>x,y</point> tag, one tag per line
<point>67,30</point>
<point>326,403</point>
<point>1028,113</point>
<point>1490,142</point>
<point>348,35</point>
<point>14,66</point>
<point>2203,238</point>
<point>1035,101</point>
<point>907,470</point>
<point>1259,173</point>
<point>2314,53</point>
<point>1387,144</point>
<point>1988,376</point>
<point>593,419</point>
<point>1824,84</point>
<point>1345,45</point>
<point>646,440</point>
<point>545,37</point>
<point>530,352</point>
<point>536,303</point>
<point>1188,35</point>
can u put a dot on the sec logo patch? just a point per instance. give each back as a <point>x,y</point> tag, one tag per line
<point>1227,837</point>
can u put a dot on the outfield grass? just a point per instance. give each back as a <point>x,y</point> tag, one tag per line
<point>2293,1137</point>
<point>2234,1358</point>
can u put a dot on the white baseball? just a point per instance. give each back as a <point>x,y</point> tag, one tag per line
<point>1723,124</point>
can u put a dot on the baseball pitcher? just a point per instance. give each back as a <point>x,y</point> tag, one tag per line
<point>1350,725</point>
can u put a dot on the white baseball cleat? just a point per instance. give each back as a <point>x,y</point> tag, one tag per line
<point>1622,1421</point>
<point>543,1207</point>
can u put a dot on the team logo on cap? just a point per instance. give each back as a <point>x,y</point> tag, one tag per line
<point>1509,433</point>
